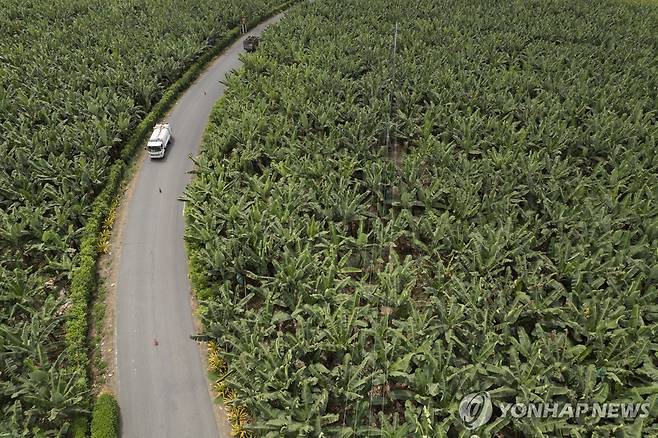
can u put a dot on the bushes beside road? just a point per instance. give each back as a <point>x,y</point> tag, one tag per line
<point>105,421</point>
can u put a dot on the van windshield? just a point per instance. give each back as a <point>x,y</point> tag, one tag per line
<point>154,146</point>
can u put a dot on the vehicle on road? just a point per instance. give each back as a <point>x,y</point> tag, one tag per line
<point>251,43</point>
<point>159,140</point>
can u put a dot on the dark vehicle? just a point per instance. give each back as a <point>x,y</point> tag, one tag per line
<point>251,43</point>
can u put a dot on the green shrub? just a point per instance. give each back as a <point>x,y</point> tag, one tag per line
<point>105,418</point>
<point>80,427</point>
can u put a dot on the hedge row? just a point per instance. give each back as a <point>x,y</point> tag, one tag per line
<point>105,417</point>
<point>84,278</point>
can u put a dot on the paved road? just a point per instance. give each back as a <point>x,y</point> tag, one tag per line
<point>162,389</point>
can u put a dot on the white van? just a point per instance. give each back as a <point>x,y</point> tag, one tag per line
<point>159,140</point>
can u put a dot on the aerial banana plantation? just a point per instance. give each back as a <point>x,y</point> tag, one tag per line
<point>400,203</point>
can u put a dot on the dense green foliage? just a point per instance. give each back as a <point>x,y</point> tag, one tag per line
<point>70,76</point>
<point>105,417</point>
<point>504,239</point>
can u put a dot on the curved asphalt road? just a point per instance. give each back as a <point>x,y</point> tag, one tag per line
<point>162,389</point>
